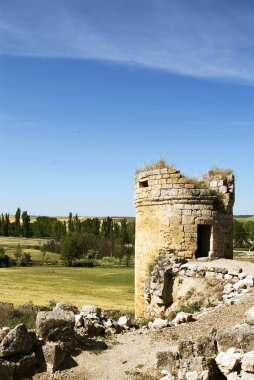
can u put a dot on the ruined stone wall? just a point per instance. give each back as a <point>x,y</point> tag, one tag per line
<point>170,274</point>
<point>169,209</point>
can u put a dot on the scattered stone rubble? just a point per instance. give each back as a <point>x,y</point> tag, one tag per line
<point>227,354</point>
<point>158,290</point>
<point>221,355</point>
<point>59,332</point>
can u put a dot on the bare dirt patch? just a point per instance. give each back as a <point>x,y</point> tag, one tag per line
<point>132,356</point>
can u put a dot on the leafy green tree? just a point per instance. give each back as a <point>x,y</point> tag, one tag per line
<point>4,259</point>
<point>76,224</point>
<point>91,226</point>
<point>18,252</point>
<point>107,227</point>
<point>58,230</point>
<point>6,224</point>
<point>17,228</point>
<point>127,234</point>
<point>249,229</point>
<point>131,232</point>
<point>71,248</point>
<point>26,226</point>
<point>124,232</point>
<point>45,226</point>
<point>1,225</point>
<point>70,223</point>
<point>24,259</point>
<point>239,234</point>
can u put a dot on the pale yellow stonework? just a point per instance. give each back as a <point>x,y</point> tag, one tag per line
<point>169,208</point>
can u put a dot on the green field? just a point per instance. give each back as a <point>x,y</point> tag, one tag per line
<point>244,256</point>
<point>105,287</point>
<point>10,243</point>
<point>36,255</point>
<point>24,242</point>
<point>243,220</point>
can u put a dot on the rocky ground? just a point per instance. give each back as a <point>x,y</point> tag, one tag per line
<point>133,355</point>
<point>141,353</point>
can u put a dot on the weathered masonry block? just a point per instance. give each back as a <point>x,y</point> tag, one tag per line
<point>176,214</point>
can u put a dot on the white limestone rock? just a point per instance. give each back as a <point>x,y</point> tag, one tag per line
<point>124,321</point>
<point>18,341</point>
<point>229,360</point>
<point>54,355</point>
<point>167,375</point>
<point>248,362</point>
<point>249,316</point>
<point>228,288</point>
<point>195,375</point>
<point>246,376</point>
<point>242,275</point>
<point>239,285</point>
<point>89,309</point>
<point>182,318</point>
<point>79,320</point>
<point>233,376</point>
<point>65,307</point>
<point>55,325</point>
<point>248,280</point>
<point>235,271</point>
<point>158,323</point>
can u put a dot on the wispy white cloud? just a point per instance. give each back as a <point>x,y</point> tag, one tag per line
<point>203,38</point>
<point>10,121</point>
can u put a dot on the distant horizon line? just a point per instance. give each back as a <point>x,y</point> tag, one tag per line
<point>109,216</point>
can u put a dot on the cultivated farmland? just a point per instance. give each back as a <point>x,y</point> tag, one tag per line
<point>109,288</point>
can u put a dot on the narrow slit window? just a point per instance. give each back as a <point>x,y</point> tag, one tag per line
<point>143,183</point>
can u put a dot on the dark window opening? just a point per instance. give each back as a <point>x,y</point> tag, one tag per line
<point>204,237</point>
<point>143,184</point>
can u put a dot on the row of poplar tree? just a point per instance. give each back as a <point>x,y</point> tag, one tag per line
<point>90,238</point>
<point>22,226</point>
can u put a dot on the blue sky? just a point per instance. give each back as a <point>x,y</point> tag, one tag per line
<point>91,90</point>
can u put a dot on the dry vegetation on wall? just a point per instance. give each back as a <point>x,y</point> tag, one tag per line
<point>197,182</point>
<point>160,164</point>
<point>219,172</point>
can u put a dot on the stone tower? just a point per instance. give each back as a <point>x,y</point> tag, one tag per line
<point>188,217</point>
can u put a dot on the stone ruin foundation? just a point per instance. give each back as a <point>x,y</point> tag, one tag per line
<point>190,218</point>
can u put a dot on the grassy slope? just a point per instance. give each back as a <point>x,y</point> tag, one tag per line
<point>10,243</point>
<point>24,242</point>
<point>106,287</point>
<point>36,255</point>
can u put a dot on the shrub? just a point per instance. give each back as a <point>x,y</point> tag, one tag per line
<point>93,254</point>
<point>83,263</point>
<point>5,260</point>
<point>24,260</point>
<point>51,246</point>
<point>191,307</point>
<point>11,317</point>
<point>52,303</point>
<point>108,261</point>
